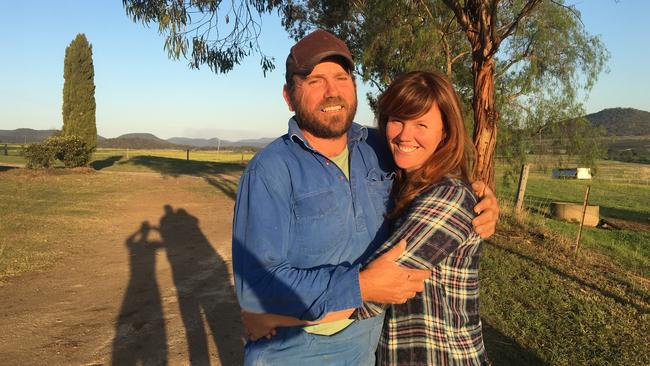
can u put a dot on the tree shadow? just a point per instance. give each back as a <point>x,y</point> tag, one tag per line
<point>540,205</point>
<point>603,292</point>
<point>203,289</point>
<point>503,350</point>
<point>175,167</point>
<point>4,168</point>
<point>205,169</point>
<point>105,163</point>
<point>623,214</point>
<point>228,187</point>
<point>140,335</point>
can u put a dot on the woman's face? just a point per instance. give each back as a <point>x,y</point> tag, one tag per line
<point>413,141</point>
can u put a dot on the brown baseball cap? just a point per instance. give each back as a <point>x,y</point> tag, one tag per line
<point>312,49</point>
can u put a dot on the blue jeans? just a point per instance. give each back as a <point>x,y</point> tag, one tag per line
<point>354,346</point>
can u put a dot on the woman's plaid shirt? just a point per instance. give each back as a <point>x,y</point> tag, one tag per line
<point>441,325</point>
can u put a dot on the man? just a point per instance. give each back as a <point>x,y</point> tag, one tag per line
<point>310,209</point>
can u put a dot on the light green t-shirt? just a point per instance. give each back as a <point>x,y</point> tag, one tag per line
<point>342,161</point>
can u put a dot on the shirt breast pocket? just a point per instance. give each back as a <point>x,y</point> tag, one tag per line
<point>318,223</point>
<point>379,186</point>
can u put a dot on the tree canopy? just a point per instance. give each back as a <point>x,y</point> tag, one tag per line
<point>518,63</point>
<point>207,32</point>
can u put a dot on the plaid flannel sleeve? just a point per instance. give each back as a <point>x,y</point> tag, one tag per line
<point>438,221</point>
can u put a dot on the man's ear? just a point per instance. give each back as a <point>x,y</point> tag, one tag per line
<point>287,99</point>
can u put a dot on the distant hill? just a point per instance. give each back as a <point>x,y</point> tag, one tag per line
<point>24,135</point>
<point>136,140</point>
<point>142,136</point>
<point>622,121</point>
<point>255,142</point>
<point>213,142</point>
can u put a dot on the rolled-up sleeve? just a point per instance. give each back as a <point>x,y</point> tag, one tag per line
<point>265,280</point>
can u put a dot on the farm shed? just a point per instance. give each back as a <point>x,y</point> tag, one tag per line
<point>572,173</point>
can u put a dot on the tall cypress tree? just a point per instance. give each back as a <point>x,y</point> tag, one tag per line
<point>79,92</point>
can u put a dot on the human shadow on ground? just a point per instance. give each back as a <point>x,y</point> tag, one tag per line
<point>203,290</point>
<point>105,163</point>
<point>503,350</point>
<point>140,335</point>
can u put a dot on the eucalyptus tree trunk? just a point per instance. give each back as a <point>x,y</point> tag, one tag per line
<point>485,120</point>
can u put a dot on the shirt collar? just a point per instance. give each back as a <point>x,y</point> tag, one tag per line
<point>356,133</point>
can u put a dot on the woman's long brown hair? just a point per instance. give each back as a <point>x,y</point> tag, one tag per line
<point>410,96</point>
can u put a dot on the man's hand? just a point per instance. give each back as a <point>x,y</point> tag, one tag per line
<point>485,223</point>
<point>385,282</point>
<point>258,325</point>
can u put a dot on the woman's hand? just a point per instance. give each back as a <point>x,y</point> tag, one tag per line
<point>259,325</point>
<point>485,223</point>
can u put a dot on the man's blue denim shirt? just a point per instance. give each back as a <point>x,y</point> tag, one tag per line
<point>301,229</point>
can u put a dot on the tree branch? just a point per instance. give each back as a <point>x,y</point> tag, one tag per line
<point>571,9</point>
<point>525,11</point>
<point>461,15</point>
<point>527,53</point>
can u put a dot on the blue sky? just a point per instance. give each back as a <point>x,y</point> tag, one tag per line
<point>139,89</point>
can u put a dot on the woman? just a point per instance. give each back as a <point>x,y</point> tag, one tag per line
<point>420,116</point>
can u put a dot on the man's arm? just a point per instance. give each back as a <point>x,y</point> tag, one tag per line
<point>487,209</point>
<point>382,281</point>
<point>266,282</point>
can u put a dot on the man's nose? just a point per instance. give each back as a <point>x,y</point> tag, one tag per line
<point>331,89</point>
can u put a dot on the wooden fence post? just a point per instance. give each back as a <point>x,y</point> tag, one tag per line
<point>582,221</point>
<point>6,151</point>
<point>521,189</point>
<point>188,154</point>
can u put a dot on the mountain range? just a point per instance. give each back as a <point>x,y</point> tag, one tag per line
<point>135,140</point>
<point>616,121</point>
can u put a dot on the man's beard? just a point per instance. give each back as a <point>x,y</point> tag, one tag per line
<point>333,126</point>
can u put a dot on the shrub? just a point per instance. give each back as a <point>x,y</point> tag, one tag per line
<point>39,156</point>
<point>71,150</point>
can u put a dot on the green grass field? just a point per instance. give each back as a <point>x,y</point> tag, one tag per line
<point>539,305</point>
<point>623,201</point>
<point>171,161</point>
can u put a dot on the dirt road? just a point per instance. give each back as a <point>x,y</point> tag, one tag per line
<point>150,282</point>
